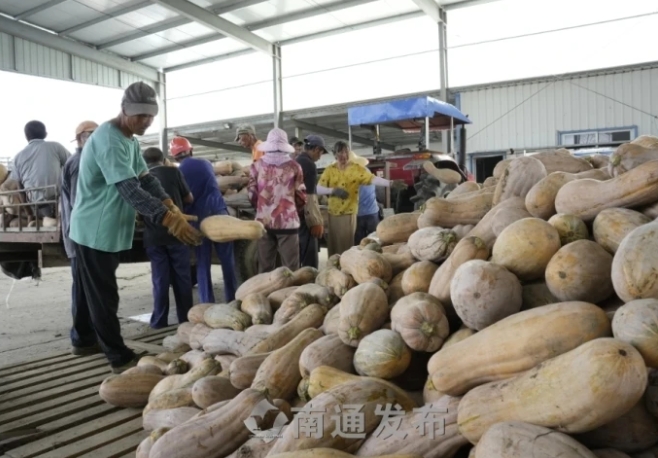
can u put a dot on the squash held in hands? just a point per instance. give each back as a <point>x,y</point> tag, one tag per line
<point>225,228</point>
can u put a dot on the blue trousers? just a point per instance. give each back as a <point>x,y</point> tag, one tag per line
<point>82,332</point>
<point>365,225</point>
<point>203,263</point>
<point>170,265</point>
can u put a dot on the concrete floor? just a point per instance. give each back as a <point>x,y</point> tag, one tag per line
<point>35,319</point>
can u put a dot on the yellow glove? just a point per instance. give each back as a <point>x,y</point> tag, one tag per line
<point>178,226</point>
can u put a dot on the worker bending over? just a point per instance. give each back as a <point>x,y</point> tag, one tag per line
<point>277,192</point>
<point>170,259</point>
<point>113,182</point>
<point>69,187</point>
<point>208,201</point>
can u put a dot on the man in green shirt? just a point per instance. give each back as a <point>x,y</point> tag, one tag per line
<point>114,183</point>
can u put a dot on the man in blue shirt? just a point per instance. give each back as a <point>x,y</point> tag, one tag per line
<point>208,201</point>
<point>368,217</point>
<point>113,183</point>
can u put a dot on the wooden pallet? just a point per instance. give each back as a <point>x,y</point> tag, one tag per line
<point>50,408</point>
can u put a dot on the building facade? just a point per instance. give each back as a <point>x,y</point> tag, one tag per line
<point>584,110</point>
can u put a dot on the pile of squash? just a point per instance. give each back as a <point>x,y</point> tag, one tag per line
<point>518,318</point>
<point>232,179</point>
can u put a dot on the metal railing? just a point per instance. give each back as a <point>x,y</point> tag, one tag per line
<point>20,208</point>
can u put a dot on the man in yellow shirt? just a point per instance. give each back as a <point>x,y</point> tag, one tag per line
<point>344,176</point>
<point>246,137</point>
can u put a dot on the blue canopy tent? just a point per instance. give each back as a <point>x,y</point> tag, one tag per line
<point>411,115</point>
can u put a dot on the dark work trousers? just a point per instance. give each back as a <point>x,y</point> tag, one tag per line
<point>365,225</point>
<point>287,245</point>
<point>97,272</point>
<point>170,265</point>
<point>225,253</point>
<point>308,246</point>
<point>82,332</point>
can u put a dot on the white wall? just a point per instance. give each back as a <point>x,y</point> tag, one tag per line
<point>530,115</point>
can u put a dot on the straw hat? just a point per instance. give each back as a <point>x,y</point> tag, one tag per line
<point>362,161</point>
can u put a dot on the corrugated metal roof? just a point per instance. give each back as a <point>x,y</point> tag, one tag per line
<point>335,117</point>
<point>152,33</point>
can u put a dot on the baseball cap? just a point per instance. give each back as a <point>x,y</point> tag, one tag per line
<point>316,140</point>
<point>244,129</point>
<point>140,99</point>
<point>85,126</point>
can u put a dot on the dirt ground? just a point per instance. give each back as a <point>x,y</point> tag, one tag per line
<point>35,319</point>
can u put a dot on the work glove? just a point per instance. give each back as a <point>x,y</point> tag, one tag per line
<point>398,184</point>
<point>317,231</point>
<point>172,206</point>
<point>340,193</point>
<point>179,227</point>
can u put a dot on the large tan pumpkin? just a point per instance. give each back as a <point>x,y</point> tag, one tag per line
<point>382,354</point>
<point>225,228</point>
<point>465,209</point>
<point>537,294</point>
<point>363,309</point>
<point>540,200</point>
<point>572,393</point>
<point>418,277</point>
<point>630,155</point>
<point>634,431</point>
<point>421,321</point>
<point>397,228</point>
<point>636,322</point>
<point>525,247</point>
<point>432,244</point>
<point>369,394</point>
<point>365,265</point>
<point>613,224</point>
<point>327,351</point>
<point>467,249</point>
<point>519,177</point>
<point>587,198</point>
<point>515,439</point>
<point>483,293</point>
<point>498,218</point>
<point>128,390</point>
<point>570,228</point>
<point>635,265</point>
<point>221,430</point>
<point>514,345</point>
<point>580,271</point>
<point>561,160</point>
<point>445,442</point>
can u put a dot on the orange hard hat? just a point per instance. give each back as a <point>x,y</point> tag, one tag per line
<point>179,145</point>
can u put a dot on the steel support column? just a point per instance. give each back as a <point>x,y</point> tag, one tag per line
<point>443,55</point>
<point>161,89</point>
<point>277,80</point>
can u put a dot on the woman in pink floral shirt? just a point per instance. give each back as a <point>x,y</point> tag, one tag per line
<point>277,192</point>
